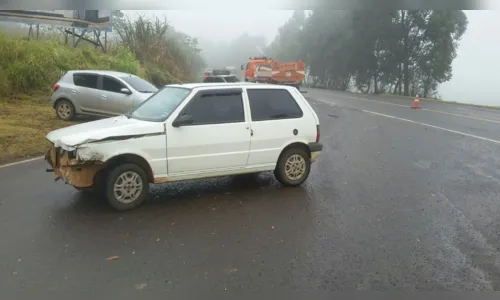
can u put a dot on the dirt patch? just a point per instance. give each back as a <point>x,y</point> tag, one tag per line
<point>23,126</point>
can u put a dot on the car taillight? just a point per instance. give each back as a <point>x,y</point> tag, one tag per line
<point>55,88</point>
<point>317,133</point>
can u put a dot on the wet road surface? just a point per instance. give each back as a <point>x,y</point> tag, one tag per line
<point>393,204</point>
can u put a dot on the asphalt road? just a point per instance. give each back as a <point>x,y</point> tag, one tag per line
<point>399,200</point>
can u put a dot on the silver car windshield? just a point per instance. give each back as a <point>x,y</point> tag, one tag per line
<point>160,105</point>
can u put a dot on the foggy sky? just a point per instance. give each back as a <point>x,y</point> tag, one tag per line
<point>223,25</point>
<point>477,66</point>
<point>475,70</point>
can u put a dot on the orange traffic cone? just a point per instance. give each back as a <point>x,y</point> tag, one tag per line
<point>416,103</point>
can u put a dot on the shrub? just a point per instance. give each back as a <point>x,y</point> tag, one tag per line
<point>35,65</point>
<point>168,56</point>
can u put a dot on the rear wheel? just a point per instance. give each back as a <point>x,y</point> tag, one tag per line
<point>65,110</point>
<point>127,187</point>
<point>293,167</point>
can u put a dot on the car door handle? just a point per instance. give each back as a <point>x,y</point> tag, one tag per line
<point>73,92</point>
<point>104,97</point>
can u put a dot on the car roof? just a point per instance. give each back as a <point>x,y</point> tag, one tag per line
<point>230,85</point>
<point>103,72</point>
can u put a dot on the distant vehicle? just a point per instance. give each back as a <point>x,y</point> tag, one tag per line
<point>221,78</point>
<point>264,69</point>
<point>207,72</point>
<point>218,72</point>
<point>190,131</point>
<point>232,70</point>
<point>99,93</point>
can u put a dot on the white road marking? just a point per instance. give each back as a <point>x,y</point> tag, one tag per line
<point>426,109</point>
<point>20,162</point>
<point>326,102</point>
<point>436,127</point>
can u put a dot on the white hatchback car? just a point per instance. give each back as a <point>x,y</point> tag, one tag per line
<point>190,131</point>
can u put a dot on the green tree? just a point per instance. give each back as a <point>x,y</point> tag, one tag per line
<point>168,55</point>
<point>287,46</point>
<point>401,51</point>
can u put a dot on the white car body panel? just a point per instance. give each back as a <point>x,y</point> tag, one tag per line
<point>190,152</point>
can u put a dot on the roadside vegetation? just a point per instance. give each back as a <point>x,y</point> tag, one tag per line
<point>401,52</point>
<point>23,124</point>
<point>149,48</point>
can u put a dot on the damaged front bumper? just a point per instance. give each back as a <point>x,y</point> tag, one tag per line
<point>66,166</point>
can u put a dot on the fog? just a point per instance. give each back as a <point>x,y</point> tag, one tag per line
<point>474,70</point>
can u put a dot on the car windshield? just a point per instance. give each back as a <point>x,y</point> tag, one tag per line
<point>139,84</point>
<point>231,79</point>
<point>160,105</point>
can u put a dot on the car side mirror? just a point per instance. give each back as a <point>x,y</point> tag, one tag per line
<point>183,120</point>
<point>125,91</point>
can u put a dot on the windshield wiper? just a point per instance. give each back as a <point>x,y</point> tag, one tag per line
<point>146,92</point>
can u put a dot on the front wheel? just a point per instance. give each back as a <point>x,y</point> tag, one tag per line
<point>293,167</point>
<point>127,187</point>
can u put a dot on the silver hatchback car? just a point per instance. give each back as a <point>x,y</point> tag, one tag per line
<point>98,93</point>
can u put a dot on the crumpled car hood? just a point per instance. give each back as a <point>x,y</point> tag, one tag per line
<point>70,137</point>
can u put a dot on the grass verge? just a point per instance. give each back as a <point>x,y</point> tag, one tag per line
<point>23,126</point>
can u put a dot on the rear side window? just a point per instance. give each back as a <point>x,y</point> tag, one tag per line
<point>272,104</point>
<point>218,107</point>
<point>218,79</point>
<point>209,79</point>
<point>86,80</point>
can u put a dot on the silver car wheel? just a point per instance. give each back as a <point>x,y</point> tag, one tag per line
<point>295,167</point>
<point>128,187</point>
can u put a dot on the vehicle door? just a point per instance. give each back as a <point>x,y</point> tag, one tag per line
<point>248,71</point>
<point>85,93</point>
<point>275,115</point>
<point>215,135</point>
<point>112,100</point>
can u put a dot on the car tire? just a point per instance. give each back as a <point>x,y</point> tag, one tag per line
<point>127,187</point>
<point>293,167</point>
<point>65,110</point>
